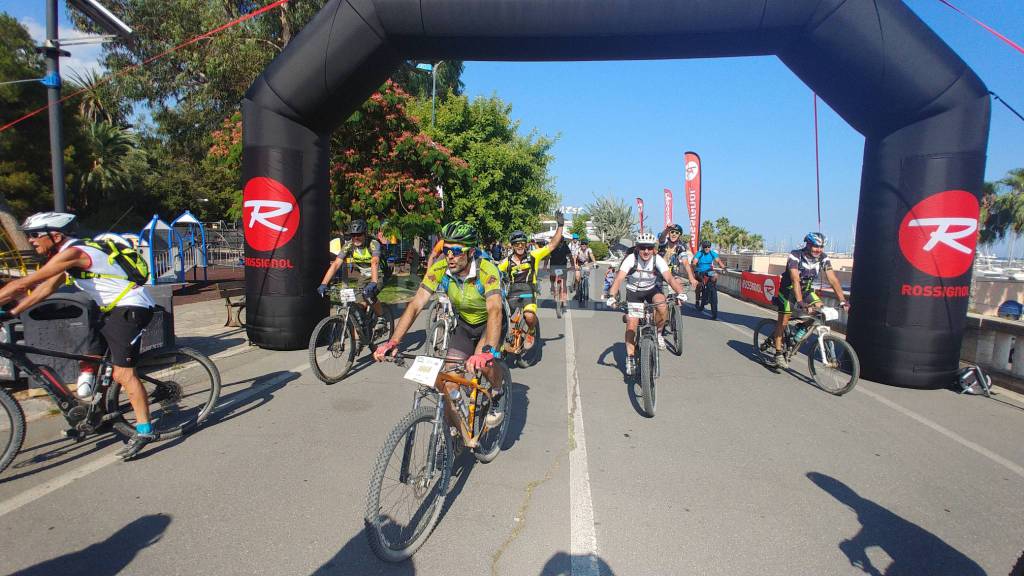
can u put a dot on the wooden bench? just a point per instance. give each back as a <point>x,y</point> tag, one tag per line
<point>234,289</point>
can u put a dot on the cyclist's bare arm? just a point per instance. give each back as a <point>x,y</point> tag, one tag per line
<point>333,269</point>
<point>40,293</point>
<point>55,267</point>
<point>672,281</point>
<point>374,261</point>
<point>494,322</point>
<point>720,265</point>
<point>412,310</point>
<point>556,239</point>
<point>614,290</point>
<point>689,273</point>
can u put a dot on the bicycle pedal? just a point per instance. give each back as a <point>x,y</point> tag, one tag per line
<point>74,434</point>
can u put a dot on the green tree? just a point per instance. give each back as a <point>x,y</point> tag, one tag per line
<point>508,186</point>
<point>612,218</point>
<point>1002,207</point>
<point>108,148</point>
<point>579,224</point>
<point>419,83</point>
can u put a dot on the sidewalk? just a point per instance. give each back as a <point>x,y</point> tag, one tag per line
<point>199,325</point>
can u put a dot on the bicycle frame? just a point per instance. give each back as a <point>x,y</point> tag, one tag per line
<point>466,425</point>
<point>516,333</point>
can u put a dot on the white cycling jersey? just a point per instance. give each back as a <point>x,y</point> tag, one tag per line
<point>106,290</point>
<point>647,272</point>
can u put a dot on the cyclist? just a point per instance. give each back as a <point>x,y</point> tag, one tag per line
<point>703,265</point>
<point>474,286</point>
<point>366,257</point>
<point>522,269</point>
<point>584,257</point>
<point>672,248</point>
<point>643,272</point>
<point>560,259</point>
<point>126,307</point>
<point>802,268</point>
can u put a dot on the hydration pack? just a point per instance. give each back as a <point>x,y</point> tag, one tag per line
<point>128,259</point>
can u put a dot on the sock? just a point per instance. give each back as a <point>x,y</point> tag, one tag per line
<point>144,428</point>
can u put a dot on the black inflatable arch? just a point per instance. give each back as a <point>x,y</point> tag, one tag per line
<point>923,111</point>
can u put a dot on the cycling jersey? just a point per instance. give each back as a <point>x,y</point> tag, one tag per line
<point>704,261</point>
<point>469,296</point>
<point>641,275</point>
<point>106,292</point>
<point>362,256</point>
<point>524,271</point>
<point>808,266</point>
<point>560,255</point>
<point>680,252</point>
<point>584,256</point>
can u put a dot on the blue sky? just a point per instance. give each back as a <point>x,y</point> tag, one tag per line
<point>622,127</point>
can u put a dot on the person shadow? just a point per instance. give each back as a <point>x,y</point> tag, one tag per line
<point>913,549</point>
<point>618,353</point>
<point>565,564</point>
<point>105,558</point>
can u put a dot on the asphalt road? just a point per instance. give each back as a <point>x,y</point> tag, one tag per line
<point>744,470</point>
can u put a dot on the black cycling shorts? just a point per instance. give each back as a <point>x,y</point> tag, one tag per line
<point>120,329</point>
<point>645,296</point>
<point>465,338</point>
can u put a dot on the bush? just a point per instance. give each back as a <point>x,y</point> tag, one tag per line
<point>600,250</point>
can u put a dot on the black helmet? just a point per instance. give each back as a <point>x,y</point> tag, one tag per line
<point>357,226</point>
<point>705,243</point>
<point>815,239</point>
<point>517,236</point>
<point>674,228</point>
<point>460,232</point>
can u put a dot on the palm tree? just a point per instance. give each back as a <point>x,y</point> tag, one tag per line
<point>1002,207</point>
<point>109,148</point>
<point>100,100</point>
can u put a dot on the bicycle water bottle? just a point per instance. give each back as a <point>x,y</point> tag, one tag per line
<point>800,331</point>
<point>460,404</point>
<point>86,380</point>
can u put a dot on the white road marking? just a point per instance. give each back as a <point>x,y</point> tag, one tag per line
<point>973,446</point>
<point>37,492</point>
<point>583,535</point>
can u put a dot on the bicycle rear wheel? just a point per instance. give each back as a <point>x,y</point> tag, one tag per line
<point>332,349</point>
<point>408,485</point>
<point>529,357</point>
<point>648,349</point>
<point>492,440</point>
<point>764,341</point>
<point>12,428</point>
<point>713,298</point>
<point>835,367</point>
<point>182,386</point>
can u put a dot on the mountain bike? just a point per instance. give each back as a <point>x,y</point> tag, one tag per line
<point>410,478</point>
<point>832,361</point>
<point>557,292</point>
<point>583,288</point>
<point>338,338</point>
<point>182,386</point>
<point>707,292</point>
<point>441,321</point>
<point>645,342</point>
<point>515,339</point>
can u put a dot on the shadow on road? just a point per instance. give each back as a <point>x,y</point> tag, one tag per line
<point>355,557</point>
<point>59,452</point>
<point>520,401</point>
<point>212,345</point>
<point>108,557</point>
<point>565,564</point>
<point>913,549</point>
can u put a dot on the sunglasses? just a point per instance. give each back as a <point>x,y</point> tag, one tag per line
<point>454,250</point>
<point>645,247</point>
<point>38,234</point>
<point>518,244</point>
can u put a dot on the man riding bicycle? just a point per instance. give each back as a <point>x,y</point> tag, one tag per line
<point>126,309</point>
<point>704,267</point>
<point>583,258</point>
<point>366,258</point>
<point>797,286</point>
<point>644,271</point>
<point>560,259</point>
<point>676,252</point>
<point>522,269</point>
<point>473,285</point>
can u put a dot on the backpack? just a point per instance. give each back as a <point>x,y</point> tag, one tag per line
<point>128,259</point>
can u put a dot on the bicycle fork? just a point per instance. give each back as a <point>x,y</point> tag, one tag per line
<point>410,441</point>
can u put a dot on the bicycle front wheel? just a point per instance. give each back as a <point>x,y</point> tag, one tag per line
<point>492,440</point>
<point>834,365</point>
<point>677,330</point>
<point>648,348</point>
<point>408,485</point>
<point>383,328</point>
<point>12,428</point>
<point>182,386</point>
<point>332,349</point>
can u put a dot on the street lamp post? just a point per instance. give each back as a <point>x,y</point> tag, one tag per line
<point>432,67</point>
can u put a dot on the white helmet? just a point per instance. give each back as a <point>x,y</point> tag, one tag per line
<point>49,222</point>
<point>646,238</point>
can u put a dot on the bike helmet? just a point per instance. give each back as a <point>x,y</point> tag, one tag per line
<point>357,226</point>
<point>646,239</point>
<point>49,222</point>
<point>674,228</point>
<point>815,239</point>
<point>518,236</point>
<point>705,244</point>
<point>575,236</point>
<point>460,232</point>
<point>584,240</point>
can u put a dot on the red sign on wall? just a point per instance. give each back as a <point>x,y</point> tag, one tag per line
<point>759,287</point>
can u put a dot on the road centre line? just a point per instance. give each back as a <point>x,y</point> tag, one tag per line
<point>44,489</point>
<point>977,448</point>
<point>583,535</point>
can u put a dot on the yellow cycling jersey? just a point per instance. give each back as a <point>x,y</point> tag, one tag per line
<point>469,296</point>
<point>525,272</point>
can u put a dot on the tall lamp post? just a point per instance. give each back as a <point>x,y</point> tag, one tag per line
<point>432,68</point>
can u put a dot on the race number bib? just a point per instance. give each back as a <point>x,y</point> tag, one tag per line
<point>424,370</point>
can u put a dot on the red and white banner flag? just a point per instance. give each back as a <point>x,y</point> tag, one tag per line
<point>668,207</point>
<point>640,212</point>
<point>692,181</point>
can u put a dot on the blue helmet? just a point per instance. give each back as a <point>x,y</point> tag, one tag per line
<point>815,239</point>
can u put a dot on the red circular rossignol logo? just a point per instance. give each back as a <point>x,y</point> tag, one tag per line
<point>270,214</point>
<point>939,234</point>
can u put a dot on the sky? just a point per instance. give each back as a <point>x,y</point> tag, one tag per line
<point>622,127</point>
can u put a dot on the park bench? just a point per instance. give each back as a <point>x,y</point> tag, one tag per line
<point>233,294</point>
